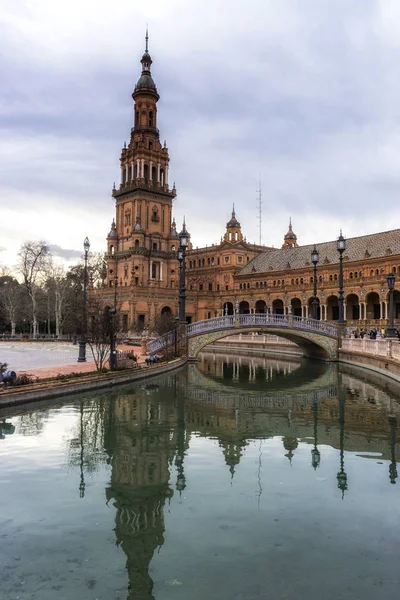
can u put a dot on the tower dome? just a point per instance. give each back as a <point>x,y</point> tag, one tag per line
<point>113,231</point>
<point>290,239</point>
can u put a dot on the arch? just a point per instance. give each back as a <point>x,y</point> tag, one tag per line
<point>146,172</point>
<point>332,308</point>
<point>244,308</point>
<point>312,345</point>
<point>112,249</point>
<point>352,307</point>
<point>162,178</point>
<point>278,307</point>
<point>166,310</point>
<point>296,307</point>
<point>373,306</point>
<point>136,243</point>
<point>154,173</point>
<point>260,307</point>
<point>310,301</point>
<point>228,308</point>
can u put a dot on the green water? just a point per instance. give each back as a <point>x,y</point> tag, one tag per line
<point>232,479</point>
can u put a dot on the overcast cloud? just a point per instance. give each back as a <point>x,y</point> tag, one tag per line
<point>303,94</point>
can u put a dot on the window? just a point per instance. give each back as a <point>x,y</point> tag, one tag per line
<point>240,259</point>
<point>210,287</point>
<point>200,287</point>
<point>127,218</point>
<point>240,286</point>
<point>154,215</point>
<point>111,249</point>
<point>136,280</point>
<point>226,258</point>
<point>209,261</point>
<point>292,281</point>
<point>301,280</point>
<point>151,118</point>
<point>227,287</point>
<point>218,262</point>
<point>136,243</point>
<point>256,284</point>
<point>153,271</point>
<point>217,287</point>
<point>209,315</point>
<point>351,275</point>
<point>331,277</point>
<point>335,277</point>
<point>173,249</point>
<point>150,145</point>
<point>154,245</point>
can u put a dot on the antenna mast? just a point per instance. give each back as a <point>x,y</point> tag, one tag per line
<point>259,211</point>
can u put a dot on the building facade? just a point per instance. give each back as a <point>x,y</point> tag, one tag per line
<point>232,274</point>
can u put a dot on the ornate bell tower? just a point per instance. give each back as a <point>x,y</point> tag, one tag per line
<point>141,246</point>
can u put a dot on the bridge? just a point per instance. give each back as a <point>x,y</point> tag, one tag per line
<point>318,339</point>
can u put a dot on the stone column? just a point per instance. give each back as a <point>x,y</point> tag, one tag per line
<point>151,171</point>
<point>161,271</point>
<point>132,171</point>
<point>166,175</point>
<point>142,168</point>
<point>126,172</point>
<point>324,312</point>
<point>158,172</point>
<point>138,168</point>
<point>151,270</point>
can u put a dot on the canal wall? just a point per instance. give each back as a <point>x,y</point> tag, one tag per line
<point>255,345</point>
<point>12,396</point>
<point>380,356</point>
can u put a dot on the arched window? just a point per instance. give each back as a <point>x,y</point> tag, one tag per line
<point>248,286</point>
<point>209,261</point>
<point>151,118</point>
<point>274,282</point>
<point>154,270</point>
<point>377,272</point>
<point>394,269</point>
<point>311,279</point>
<point>301,280</point>
<point>230,236</point>
<point>331,277</point>
<point>351,275</point>
<point>292,281</point>
<point>355,275</point>
<point>162,177</point>
<point>371,272</point>
<point>150,145</point>
<point>136,243</point>
<point>240,286</point>
<point>146,172</point>
<point>321,278</point>
<point>297,280</point>
<point>257,284</point>
<point>236,236</point>
<point>112,249</point>
<point>136,118</point>
<point>335,277</point>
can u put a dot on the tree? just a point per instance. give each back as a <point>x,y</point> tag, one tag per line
<point>10,300</point>
<point>33,264</point>
<point>103,323</point>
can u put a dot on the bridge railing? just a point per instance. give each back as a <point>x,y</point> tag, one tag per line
<point>164,341</point>
<point>225,322</point>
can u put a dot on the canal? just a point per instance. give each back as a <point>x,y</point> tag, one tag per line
<point>231,479</point>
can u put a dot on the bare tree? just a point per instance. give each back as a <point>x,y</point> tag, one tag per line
<point>33,265</point>
<point>10,300</point>
<point>58,286</point>
<point>102,324</point>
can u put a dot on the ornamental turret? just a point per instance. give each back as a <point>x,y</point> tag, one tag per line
<point>233,232</point>
<point>290,239</point>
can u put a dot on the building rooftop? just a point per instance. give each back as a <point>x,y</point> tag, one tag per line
<point>375,245</point>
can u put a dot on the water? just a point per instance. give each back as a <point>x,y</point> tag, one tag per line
<point>232,479</point>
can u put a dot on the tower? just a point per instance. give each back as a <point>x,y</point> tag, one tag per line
<point>141,246</point>
<point>233,232</point>
<point>290,239</point>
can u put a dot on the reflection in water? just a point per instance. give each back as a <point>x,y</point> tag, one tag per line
<point>145,436</point>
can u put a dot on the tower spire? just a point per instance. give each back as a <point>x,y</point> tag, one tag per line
<point>147,38</point>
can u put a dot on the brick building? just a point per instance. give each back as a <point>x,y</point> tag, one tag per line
<point>232,274</point>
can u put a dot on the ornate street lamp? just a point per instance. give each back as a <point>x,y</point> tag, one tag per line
<point>183,244</point>
<point>391,331</point>
<point>113,323</point>
<point>315,260</point>
<point>341,247</point>
<point>82,342</point>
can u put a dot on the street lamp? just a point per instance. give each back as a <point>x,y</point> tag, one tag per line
<point>341,247</point>
<point>113,318</point>
<point>183,243</point>
<point>391,331</point>
<point>82,342</point>
<point>315,260</point>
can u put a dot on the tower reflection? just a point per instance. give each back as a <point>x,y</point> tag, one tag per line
<point>146,437</point>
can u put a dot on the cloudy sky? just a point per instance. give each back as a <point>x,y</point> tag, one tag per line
<point>303,94</point>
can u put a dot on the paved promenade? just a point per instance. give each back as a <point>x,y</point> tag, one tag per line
<point>49,359</point>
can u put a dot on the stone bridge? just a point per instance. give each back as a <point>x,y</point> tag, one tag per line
<point>318,339</point>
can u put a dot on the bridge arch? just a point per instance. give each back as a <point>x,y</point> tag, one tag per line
<point>313,346</point>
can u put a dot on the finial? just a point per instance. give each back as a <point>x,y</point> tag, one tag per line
<point>147,38</point>
<point>114,185</point>
<point>165,143</point>
<point>290,223</point>
<point>233,209</point>
<point>173,186</point>
<point>125,145</point>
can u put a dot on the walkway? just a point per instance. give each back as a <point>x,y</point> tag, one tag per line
<point>44,360</point>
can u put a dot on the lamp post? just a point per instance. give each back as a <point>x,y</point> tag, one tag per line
<point>341,247</point>
<point>113,318</point>
<point>391,331</point>
<point>315,260</point>
<point>82,342</point>
<point>183,243</point>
